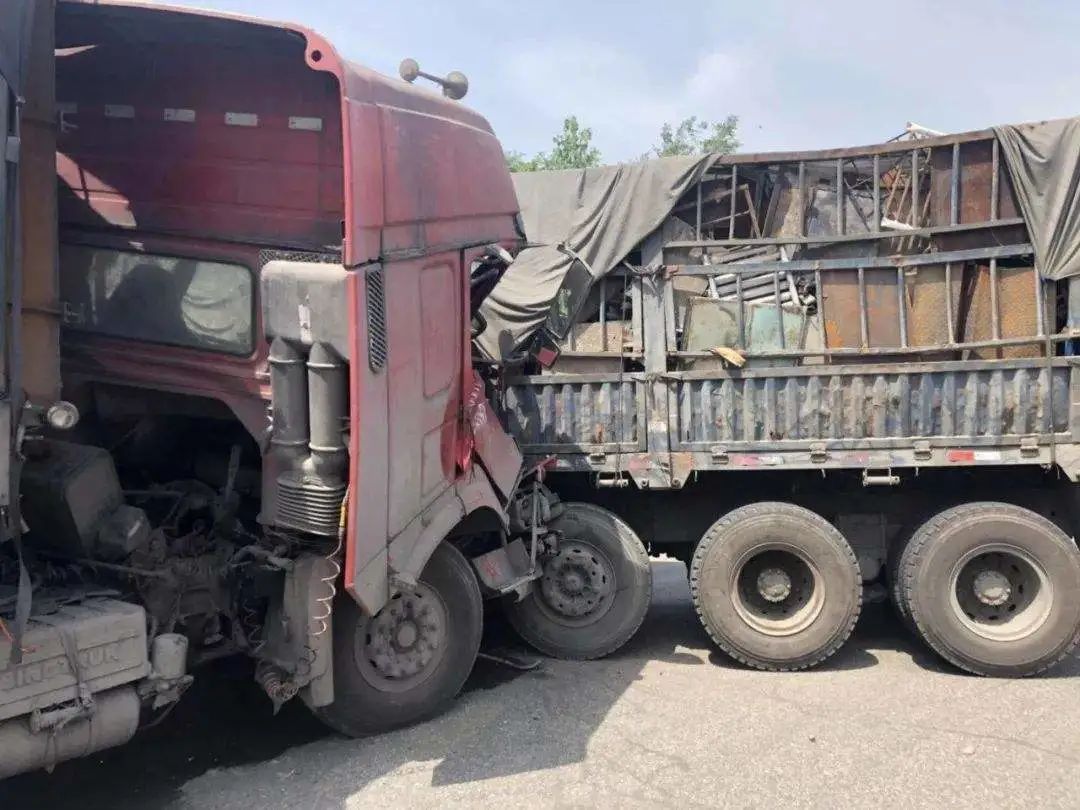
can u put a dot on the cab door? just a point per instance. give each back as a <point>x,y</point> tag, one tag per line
<point>411,342</point>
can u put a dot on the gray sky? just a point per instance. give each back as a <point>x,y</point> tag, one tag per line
<point>799,74</point>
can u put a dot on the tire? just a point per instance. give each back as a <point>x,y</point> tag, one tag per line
<point>776,586</point>
<point>1023,618</point>
<point>369,697</point>
<point>603,555</point>
<point>895,581</point>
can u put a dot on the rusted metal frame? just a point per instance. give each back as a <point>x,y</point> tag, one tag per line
<point>802,197</point>
<point>603,314</point>
<point>779,309</point>
<point>697,213</point>
<point>954,186</point>
<point>914,189</point>
<point>995,311</point>
<point>820,309</point>
<point>657,348</point>
<point>850,237</point>
<point>864,315</point>
<point>638,324</point>
<point>840,224</point>
<point>1040,302</point>
<point>755,226</point>
<point>856,369</point>
<point>601,355</point>
<point>895,147</point>
<point>734,201</point>
<point>901,306</point>
<point>742,310</point>
<point>890,351</point>
<point>566,378</point>
<point>745,189</point>
<point>995,170</point>
<point>901,260</point>
<point>877,193</point>
<point>896,443</point>
<point>950,327</point>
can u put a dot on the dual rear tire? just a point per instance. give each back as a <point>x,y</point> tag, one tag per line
<point>776,586</point>
<point>992,588</point>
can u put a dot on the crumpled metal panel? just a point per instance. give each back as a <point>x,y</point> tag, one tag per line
<point>902,405</point>
<point>560,416</point>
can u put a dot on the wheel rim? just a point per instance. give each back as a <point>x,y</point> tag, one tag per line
<point>578,586</point>
<point>1000,592</point>
<point>777,590</point>
<point>399,647</point>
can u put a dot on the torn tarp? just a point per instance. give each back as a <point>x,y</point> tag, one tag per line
<point>599,215</point>
<point>1044,165</point>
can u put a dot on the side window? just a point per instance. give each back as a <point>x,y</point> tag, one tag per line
<point>159,299</point>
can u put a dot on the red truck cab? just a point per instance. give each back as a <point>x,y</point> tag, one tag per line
<point>243,143</point>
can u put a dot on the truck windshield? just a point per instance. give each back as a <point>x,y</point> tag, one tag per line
<point>159,299</point>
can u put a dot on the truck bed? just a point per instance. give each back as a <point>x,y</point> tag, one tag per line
<point>906,327</point>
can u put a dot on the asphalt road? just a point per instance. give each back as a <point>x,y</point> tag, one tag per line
<point>665,722</point>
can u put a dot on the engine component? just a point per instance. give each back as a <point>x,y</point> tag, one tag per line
<point>71,649</point>
<point>311,484</point>
<point>68,492</point>
<point>122,533</point>
<point>168,655</point>
<point>29,745</point>
<point>168,679</point>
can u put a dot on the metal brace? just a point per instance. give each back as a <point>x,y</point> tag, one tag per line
<point>879,478</point>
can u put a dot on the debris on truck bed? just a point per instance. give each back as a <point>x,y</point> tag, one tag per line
<point>985,203</point>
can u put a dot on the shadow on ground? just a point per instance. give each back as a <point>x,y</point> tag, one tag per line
<point>223,741</point>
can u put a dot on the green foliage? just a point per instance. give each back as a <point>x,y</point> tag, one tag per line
<point>572,149</point>
<point>517,162</point>
<point>697,137</point>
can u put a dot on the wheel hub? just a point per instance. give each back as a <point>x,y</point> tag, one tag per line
<point>776,590</point>
<point>402,642</point>
<point>578,581</point>
<point>992,588</point>
<point>1001,592</point>
<point>774,584</point>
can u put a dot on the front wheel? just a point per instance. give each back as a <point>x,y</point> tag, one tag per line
<point>409,661</point>
<point>594,591</point>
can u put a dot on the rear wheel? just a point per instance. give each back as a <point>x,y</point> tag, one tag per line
<point>410,660</point>
<point>776,586</point>
<point>994,589</point>
<point>594,591</point>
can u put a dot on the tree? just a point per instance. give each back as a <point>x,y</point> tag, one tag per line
<point>694,136</point>
<point>517,162</point>
<point>573,149</point>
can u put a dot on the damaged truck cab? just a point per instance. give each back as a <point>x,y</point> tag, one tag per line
<point>252,286</point>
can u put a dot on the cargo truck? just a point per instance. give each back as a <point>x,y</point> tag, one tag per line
<point>239,413</point>
<point>821,376</point>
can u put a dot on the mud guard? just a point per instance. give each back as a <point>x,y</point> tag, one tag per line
<point>409,552</point>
